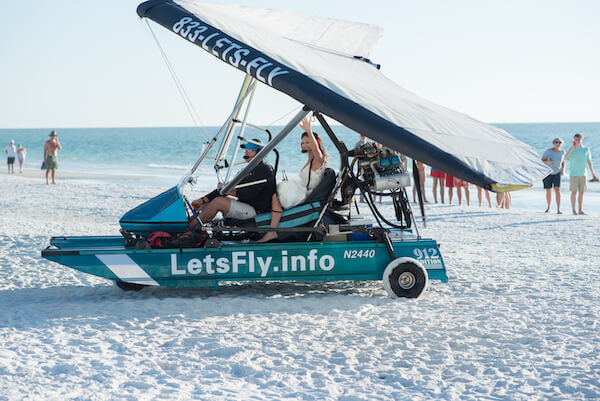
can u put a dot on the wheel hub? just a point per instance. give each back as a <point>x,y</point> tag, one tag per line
<point>407,280</point>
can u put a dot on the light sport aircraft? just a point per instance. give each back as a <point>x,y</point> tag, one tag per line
<point>323,64</point>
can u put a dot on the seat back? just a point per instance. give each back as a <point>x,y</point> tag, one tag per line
<point>293,217</point>
<point>323,189</point>
<point>303,215</point>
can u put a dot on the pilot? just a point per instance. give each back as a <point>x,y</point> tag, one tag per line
<point>253,193</point>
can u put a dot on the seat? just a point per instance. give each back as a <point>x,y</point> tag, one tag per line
<point>323,190</point>
<point>296,216</point>
<point>302,215</point>
<point>314,200</point>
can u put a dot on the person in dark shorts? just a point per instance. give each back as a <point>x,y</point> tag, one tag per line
<point>11,153</point>
<point>555,159</point>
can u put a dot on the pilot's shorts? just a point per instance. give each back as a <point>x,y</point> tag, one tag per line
<point>240,210</point>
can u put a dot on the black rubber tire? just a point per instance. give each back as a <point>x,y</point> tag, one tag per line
<point>130,286</point>
<point>405,278</point>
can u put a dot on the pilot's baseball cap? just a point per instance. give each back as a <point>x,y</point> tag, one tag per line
<point>252,145</point>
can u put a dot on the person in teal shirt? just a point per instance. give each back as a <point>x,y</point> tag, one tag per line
<point>579,158</point>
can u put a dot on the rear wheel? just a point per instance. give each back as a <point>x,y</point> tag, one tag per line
<point>405,278</point>
<point>129,286</point>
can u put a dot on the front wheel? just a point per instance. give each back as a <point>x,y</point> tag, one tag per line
<point>405,278</point>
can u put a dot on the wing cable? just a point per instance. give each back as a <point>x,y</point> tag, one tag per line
<point>186,99</point>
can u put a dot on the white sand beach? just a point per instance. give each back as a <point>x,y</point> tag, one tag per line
<point>518,319</point>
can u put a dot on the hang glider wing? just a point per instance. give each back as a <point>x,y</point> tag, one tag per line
<point>323,63</point>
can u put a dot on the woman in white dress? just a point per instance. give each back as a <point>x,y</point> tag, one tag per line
<point>21,155</point>
<point>310,175</point>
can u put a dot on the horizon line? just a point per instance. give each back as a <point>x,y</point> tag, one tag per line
<point>217,126</point>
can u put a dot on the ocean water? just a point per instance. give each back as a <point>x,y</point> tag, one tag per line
<point>540,135</point>
<point>167,153</point>
<point>161,156</point>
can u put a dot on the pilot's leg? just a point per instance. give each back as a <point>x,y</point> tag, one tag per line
<point>219,204</point>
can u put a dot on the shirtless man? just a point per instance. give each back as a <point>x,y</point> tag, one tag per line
<point>51,148</point>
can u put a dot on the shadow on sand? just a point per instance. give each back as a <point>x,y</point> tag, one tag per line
<point>98,305</point>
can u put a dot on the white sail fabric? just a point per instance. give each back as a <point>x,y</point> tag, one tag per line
<point>338,36</point>
<point>323,50</point>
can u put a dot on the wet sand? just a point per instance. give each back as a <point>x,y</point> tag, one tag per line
<point>71,175</point>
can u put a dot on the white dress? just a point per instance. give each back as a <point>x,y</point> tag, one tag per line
<point>293,192</point>
<point>315,176</point>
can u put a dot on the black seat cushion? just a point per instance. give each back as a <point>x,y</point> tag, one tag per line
<point>323,189</point>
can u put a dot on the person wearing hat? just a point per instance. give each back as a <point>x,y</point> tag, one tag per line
<point>51,148</point>
<point>253,193</point>
<point>11,152</point>
<point>554,157</point>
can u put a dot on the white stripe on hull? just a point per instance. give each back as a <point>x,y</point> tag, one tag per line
<point>126,269</point>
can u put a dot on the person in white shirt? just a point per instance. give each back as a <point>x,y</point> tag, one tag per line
<point>21,154</point>
<point>11,153</point>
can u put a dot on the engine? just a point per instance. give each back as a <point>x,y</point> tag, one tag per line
<point>380,168</point>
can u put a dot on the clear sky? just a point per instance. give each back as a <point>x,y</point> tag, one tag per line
<point>85,63</point>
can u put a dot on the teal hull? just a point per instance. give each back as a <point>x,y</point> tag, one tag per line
<point>205,267</point>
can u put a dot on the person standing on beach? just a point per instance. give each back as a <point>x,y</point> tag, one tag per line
<point>554,157</point>
<point>51,148</point>
<point>362,141</point>
<point>21,154</point>
<point>460,185</point>
<point>504,200</point>
<point>11,152</point>
<point>450,185</point>
<point>439,177</point>
<point>487,196</point>
<point>421,172</point>
<point>579,156</point>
